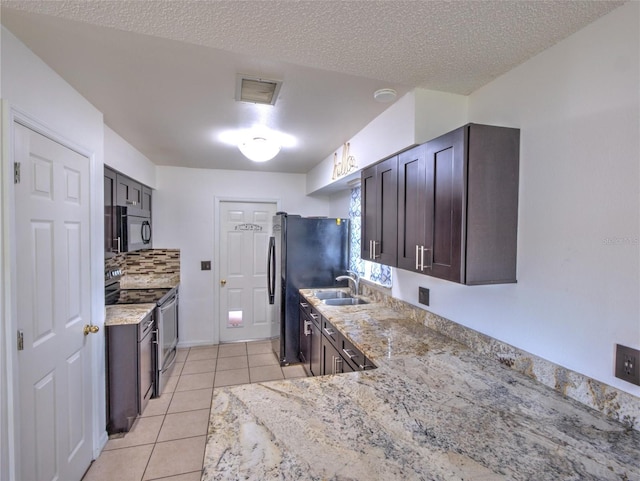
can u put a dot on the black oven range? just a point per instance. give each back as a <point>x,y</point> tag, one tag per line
<point>166,315</point>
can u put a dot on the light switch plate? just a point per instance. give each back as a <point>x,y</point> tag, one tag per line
<point>205,265</point>
<point>423,296</point>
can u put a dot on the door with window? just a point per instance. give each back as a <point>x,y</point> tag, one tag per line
<point>53,306</point>
<point>244,241</point>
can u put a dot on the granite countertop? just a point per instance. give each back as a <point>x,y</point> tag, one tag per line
<point>122,314</point>
<point>149,281</point>
<point>433,410</point>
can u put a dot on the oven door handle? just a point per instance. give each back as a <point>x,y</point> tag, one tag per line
<point>168,305</point>
<point>168,363</point>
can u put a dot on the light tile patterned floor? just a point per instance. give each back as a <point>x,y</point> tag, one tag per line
<point>167,442</point>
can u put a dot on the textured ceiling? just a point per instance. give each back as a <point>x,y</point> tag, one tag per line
<point>339,49</point>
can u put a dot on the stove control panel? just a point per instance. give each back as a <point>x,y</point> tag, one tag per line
<point>112,274</point>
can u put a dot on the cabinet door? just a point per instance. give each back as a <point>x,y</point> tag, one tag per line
<point>331,360</point>
<point>110,183</point>
<point>146,200</point>
<point>446,163</point>
<point>415,202</point>
<point>379,210</point>
<point>315,350</point>
<point>129,192</point>
<point>122,377</point>
<point>146,367</point>
<point>387,206</point>
<point>305,338</point>
<point>368,212</point>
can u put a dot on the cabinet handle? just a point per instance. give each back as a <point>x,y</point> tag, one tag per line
<point>338,363</point>
<point>118,244</point>
<point>329,331</point>
<point>131,202</point>
<point>422,258</point>
<point>370,249</point>
<point>350,353</point>
<point>373,251</point>
<point>314,316</point>
<point>307,328</point>
<point>417,257</point>
<point>304,305</point>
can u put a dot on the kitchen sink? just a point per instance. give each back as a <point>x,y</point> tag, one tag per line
<point>344,301</point>
<point>331,294</point>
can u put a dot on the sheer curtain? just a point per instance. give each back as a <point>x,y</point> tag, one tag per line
<point>368,270</point>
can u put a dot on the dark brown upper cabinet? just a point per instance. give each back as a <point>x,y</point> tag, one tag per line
<point>458,205</point>
<point>412,207</point>
<point>379,210</point>
<point>146,200</point>
<point>129,192</point>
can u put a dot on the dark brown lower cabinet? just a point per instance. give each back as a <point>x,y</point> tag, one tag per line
<point>305,338</point>
<point>310,349</point>
<point>339,354</point>
<point>333,362</point>
<point>130,364</point>
<point>315,348</point>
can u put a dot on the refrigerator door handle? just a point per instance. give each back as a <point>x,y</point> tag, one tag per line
<point>271,270</point>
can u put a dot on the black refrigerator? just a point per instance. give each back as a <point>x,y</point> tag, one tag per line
<point>304,252</point>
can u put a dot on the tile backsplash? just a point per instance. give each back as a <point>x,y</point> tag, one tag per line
<point>153,261</point>
<point>144,262</point>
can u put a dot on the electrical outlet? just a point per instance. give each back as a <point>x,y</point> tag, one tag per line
<point>205,265</point>
<point>423,295</point>
<point>628,364</point>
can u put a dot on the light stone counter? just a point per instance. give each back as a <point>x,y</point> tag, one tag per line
<point>149,281</point>
<point>121,314</point>
<point>433,410</point>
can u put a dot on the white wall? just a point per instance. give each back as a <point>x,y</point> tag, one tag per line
<point>416,117</point>
<point>339,203</point>
<point>390,132</point>
<point>438,113</point>
<point>29,85</point>
<point>577,105</point>
<point>123,157</point>
<point>184,218</point>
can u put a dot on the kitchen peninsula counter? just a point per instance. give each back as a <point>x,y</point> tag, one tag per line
<point>433,410</point>
<point>122,314</point>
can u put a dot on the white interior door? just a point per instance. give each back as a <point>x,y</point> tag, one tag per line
<point>53,305</point>
<point>244,240</point>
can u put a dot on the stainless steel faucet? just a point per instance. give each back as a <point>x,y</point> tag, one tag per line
<point>354,279</point>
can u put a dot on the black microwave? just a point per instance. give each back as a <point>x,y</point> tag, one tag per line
<point>133,229</point>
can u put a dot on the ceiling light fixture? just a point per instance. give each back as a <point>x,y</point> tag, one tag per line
<point>385,95</point>
<point>259,149</point>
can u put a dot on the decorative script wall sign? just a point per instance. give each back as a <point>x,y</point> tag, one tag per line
<point>254,227</point>
<point>344,166</point>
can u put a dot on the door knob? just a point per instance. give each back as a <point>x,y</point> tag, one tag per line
<point>223,282</point>
<point>90,329</point>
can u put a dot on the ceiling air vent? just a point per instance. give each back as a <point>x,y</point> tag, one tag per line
<point>257,90</point>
